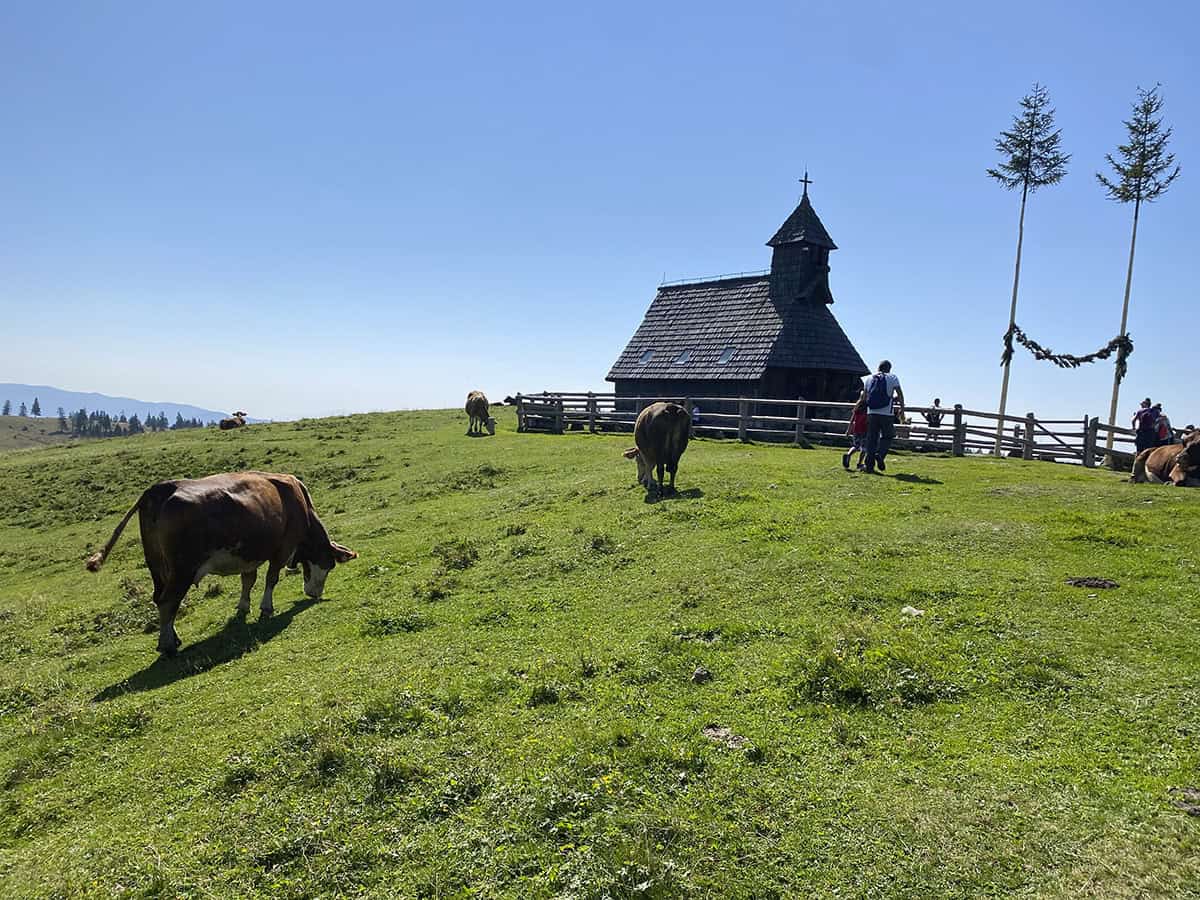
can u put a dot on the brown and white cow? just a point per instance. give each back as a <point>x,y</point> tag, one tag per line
<point>227,525</point>
<point>477,412</point>
<point>661,435</point>
<point>1177,464</point>
<point>237,420</point>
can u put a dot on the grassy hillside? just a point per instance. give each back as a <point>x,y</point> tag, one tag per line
<point>497,698</point>
<point>21,433</point>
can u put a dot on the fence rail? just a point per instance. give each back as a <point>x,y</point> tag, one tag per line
<point>955,429</point>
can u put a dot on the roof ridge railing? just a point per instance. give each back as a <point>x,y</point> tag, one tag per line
<point>665,283</point>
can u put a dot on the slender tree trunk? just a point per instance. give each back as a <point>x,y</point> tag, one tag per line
<point>1112,410</point>
<point>1012,318</point>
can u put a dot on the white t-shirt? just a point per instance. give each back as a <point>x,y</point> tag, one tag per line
<point>893,382</point>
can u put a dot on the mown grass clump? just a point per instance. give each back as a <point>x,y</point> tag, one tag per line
<point>457,555</point>
<point>436,588</point>
<point>392,774</point>
<point>866,664</point>
<point>546,694</point>
<point>395,623</point>
<point>390,714</point>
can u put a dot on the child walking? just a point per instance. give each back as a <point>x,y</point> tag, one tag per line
<point>857,430</point>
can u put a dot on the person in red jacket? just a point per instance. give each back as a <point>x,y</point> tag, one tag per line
<point>857,430</point>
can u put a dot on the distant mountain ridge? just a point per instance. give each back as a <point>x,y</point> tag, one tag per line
<point>51,398</point>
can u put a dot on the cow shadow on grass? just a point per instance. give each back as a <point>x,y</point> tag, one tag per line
<point>689,494</point>
<point>237,637</point>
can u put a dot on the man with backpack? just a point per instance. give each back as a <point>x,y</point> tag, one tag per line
<point>1145,426</point>
<point>881,422</point>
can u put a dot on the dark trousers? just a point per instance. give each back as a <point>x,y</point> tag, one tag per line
<point>880,432</point>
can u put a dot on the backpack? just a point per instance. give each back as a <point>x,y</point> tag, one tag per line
<point>878,395</point>
<point>1147,422</point>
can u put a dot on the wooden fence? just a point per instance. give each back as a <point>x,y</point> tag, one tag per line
<point>958,430</point>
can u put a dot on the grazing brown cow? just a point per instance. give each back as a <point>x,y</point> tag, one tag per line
<point>237,420</point>
<point>661,435</point>
<point>477,411</point>
<point>1177,464</point>
<point>227,525</point>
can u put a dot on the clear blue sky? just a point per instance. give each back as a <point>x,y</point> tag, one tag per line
<point>302,208</point>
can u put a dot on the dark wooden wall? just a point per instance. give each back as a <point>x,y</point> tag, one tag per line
<point>776,384</point>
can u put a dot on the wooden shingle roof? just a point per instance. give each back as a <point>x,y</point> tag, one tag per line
<point>803,227</point>
<point>704,319</point>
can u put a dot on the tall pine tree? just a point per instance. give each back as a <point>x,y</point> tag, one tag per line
<point>1142,174</point>
<point>1031,158</point>
<point>37,407</point>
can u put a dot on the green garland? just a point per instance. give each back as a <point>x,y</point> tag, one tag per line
<point>1122,345</point>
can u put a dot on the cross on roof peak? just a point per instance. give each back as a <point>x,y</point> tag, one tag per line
<point>806,182</point>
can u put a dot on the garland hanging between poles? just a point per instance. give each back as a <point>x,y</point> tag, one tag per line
<point>1121,345</point>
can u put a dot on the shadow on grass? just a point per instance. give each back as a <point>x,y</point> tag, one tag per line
<point>916,479</point>
<point>235,639</point>
<point>689,494</point>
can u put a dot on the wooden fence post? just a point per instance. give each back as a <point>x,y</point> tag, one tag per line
<point>559,425</point>
<point>591,412</point>
<point>801,415</point>
<point>1027,447</point>
<point>1091,429</point>
<point>687,406</point>
<point>743,417</point>
<point>959,438</point>
<point>520,413</point>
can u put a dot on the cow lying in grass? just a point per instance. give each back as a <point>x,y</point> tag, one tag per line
<point>227,525</point>
<point>1177,464</point>
<point>237,420</point>
<point>477,413</point>
<point>661,435</point>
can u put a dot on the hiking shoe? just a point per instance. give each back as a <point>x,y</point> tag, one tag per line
<point>846,460</point>
<point>881,466</point>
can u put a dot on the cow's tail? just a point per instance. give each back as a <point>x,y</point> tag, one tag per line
<point>1139,467</point>
<point>96,560</point>
<point>678,434</point>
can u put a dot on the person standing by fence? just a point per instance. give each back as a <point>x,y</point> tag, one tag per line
<point>933,415</point>
<point>1164,435</point>
<point>881,423</point>
<point>1145,426</point>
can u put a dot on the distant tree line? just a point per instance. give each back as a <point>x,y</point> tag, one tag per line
<point>100,424</point>
<point>6,409</point>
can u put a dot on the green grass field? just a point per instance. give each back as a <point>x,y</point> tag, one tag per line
<point>22,432</point>
<point>497,697</point>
